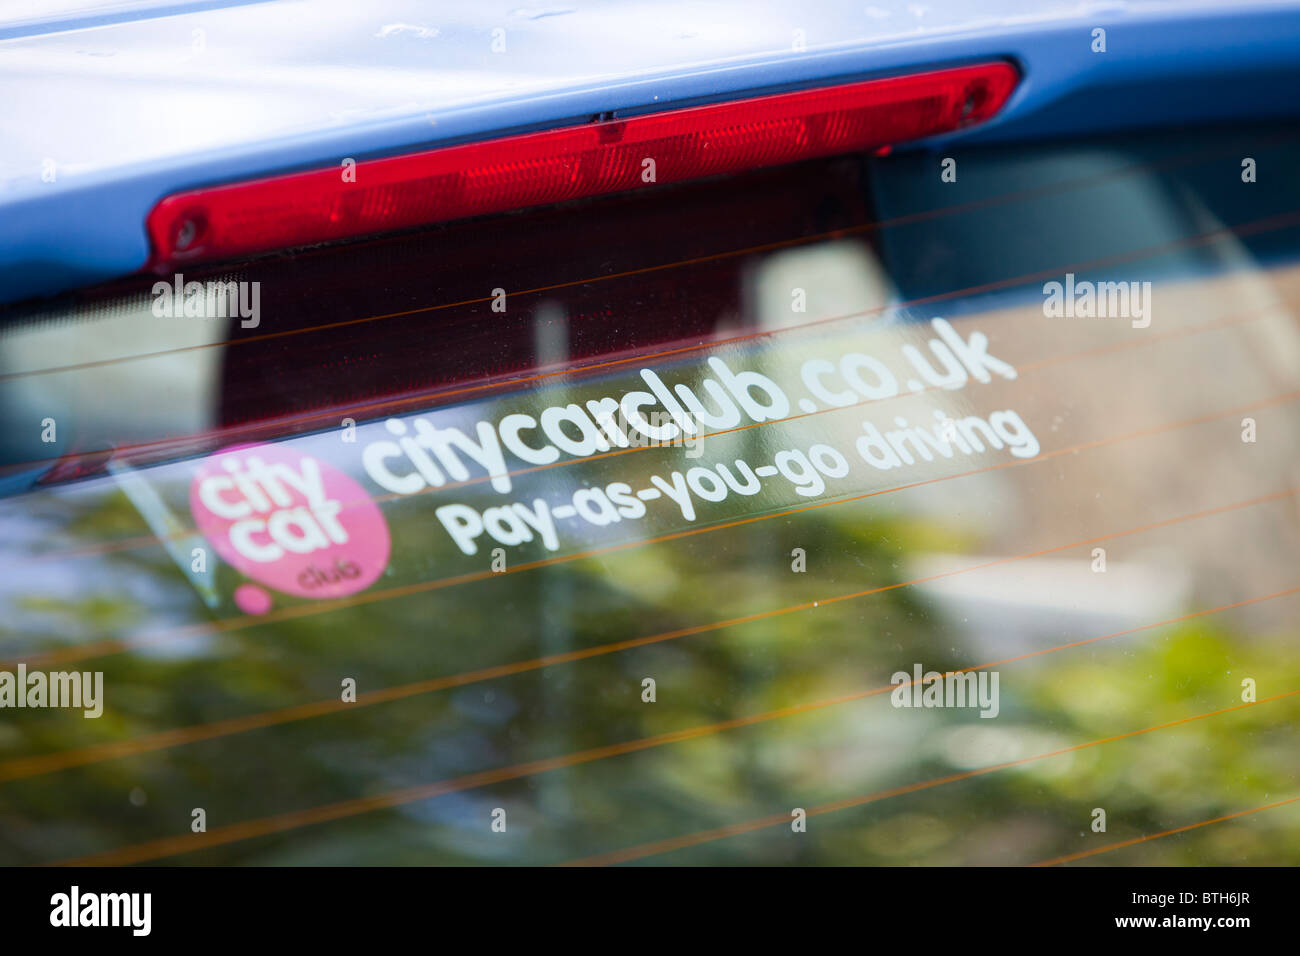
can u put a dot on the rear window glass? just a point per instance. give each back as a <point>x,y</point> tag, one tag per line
<point>876,510</point>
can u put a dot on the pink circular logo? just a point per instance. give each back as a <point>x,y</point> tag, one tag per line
<point>290,521</point>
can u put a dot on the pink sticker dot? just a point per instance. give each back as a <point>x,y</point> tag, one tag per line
<point>252,599</point>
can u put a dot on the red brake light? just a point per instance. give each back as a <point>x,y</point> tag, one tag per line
<point>455,182</point>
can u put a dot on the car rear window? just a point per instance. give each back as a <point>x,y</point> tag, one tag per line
<point>887,509</point>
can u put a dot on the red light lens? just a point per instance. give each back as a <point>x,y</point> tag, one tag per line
<point>456,182</point>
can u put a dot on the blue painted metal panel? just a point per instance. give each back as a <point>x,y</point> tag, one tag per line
<point>122,103</point>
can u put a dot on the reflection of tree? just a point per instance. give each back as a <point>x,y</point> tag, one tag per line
<point>1146,784</point>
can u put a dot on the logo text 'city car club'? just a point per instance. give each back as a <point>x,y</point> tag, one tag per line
<point>209,300</point>
<point>289,521</point>
<point>1098,300</point>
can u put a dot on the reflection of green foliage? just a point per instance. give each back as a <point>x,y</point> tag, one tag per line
<point>1038,811</point>
<point>112,516</point>
<point>99,612</point>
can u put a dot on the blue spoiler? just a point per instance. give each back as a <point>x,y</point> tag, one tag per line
<point>106,107</point>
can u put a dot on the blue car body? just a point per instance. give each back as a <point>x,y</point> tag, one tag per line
<point>107,107</point>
